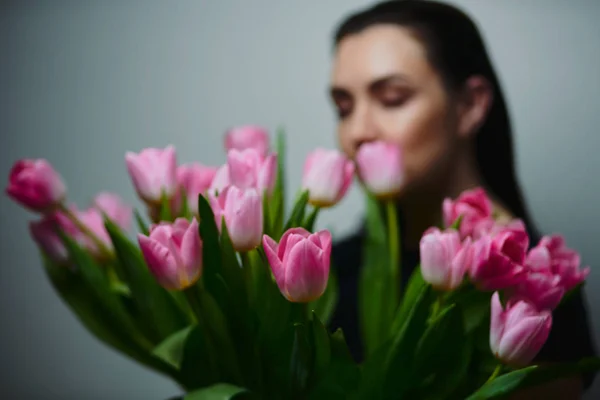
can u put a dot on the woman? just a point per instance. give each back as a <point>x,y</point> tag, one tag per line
<point>417,73</point>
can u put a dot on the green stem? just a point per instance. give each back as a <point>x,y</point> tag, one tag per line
<point>86,231</point>
<point>309,224</point>
<point>394,247</point>
<point>494,374</point>
<point>300,313</point>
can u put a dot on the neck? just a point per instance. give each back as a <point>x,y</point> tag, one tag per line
<point>423,210</point>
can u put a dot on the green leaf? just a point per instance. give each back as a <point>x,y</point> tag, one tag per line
<point>322,348</point>
<point>232,271</point>
<point>301,360</point>
<point>219,391</point>
<point>187,351</point>
<point>399,366</point>
<point>456,224</point>
<point>161,314</point>
<point>142,226</point>
<point>165,208</point>
<point>533,376</point>
<point>375,313</point>
<point>277,206</point>
<point>325,305</point>
<point>309,222</point>
<point>412,292</point>
<point>297,216</point>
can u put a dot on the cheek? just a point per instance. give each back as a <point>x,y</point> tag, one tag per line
<point>425,132</point>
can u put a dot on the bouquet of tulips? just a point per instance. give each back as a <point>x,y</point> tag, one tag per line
<point>229,292</point>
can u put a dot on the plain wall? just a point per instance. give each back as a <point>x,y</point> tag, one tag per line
<point>82,82</point>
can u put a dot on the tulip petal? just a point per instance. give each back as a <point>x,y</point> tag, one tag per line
<point>497,322</point>
<point>271,250</point>
<point>523,340</point>
<point>305,273</point>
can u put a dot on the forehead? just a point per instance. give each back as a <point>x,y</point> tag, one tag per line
<point>378,51</point>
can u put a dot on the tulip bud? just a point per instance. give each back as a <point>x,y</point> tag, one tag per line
<point>93,220</point>
<point>248,137</point>
<point>36,185</point>
<point>243,213</point>
<point>45,234</point>
<point>551,255</point>
<point>194,179</point>
<point>443,260</point>
<point>220,180</point>
<point>517,332</point>
<point>248,169</point>
<point>300,263</point>
<point>380,168</point>
<point>327,176</point>
<point>115,208</point>
<point>173,253</point>
<point>498,261</point>
<point>154,173</point>
<point>473,206</point>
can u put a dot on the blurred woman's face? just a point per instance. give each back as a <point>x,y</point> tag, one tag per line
<point>384,88</point>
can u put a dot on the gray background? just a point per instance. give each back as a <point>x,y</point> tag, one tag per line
<point>81,82</point>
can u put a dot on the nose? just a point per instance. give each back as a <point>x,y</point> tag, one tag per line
<point>362,127</point>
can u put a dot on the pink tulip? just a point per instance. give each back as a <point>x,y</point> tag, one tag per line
<point>93,220</point>
<point>381,169</point>
<point>243,213</point>
<point>248,169</point>
<point>154,173</point>
<point>45,234</point>
<point>491,227</point>
<point>518,332</point>
<point>551,255</point>
<point>36,185</point>
<point>173,253</point>
<point>248,137</point>
<point>498,261</point>
<point>444,261</point>
<point>195,179</point>
<point>473,205</point>
<point>544,290</point>
<point>300,263</point>
<point>327,176</point>
<point>115,208</point>
<point>220,180</point>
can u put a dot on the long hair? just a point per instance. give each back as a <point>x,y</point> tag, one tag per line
<point>456,49</point>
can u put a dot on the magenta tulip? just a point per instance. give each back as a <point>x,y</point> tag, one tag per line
<point>248,169</point>
<point>491,227</point>
<point>327,177</point>
<point>517,332</point>
<point>473,206</point>
<point>380,168</point>
<point>498,261</point>
<point>300,263</point>
<point>248,137</point>
<point>444,261</point>
<point>195,179</point>
<point>154,173</point>
<point>543,289</point>
<point>173,253</point>
<point>115,208</point>
<point>243,213</point>
<point>36,185</point>
<point>551,255</point>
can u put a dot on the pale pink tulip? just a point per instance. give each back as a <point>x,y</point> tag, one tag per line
<point>221,180</point>
<point>498,261</point>
<point>473,206</point>
<point>173,253</point>
<point>243,213</point>
<point>93,220</point>
<point>300,263</point>
<point>491,227</point>
<point>380,168</point>
<point>115,208</point>
<point>551,255</point>
<point>195,179</point>
<point>327,177</point>
<point>248,137</point>
<point>444,261</point>
<point>154,173</point>
<point>248,169</point>
<point>36,185</point>
<point>517,332</point>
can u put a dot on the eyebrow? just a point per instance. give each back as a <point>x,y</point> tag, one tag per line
<point>375,85</point>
